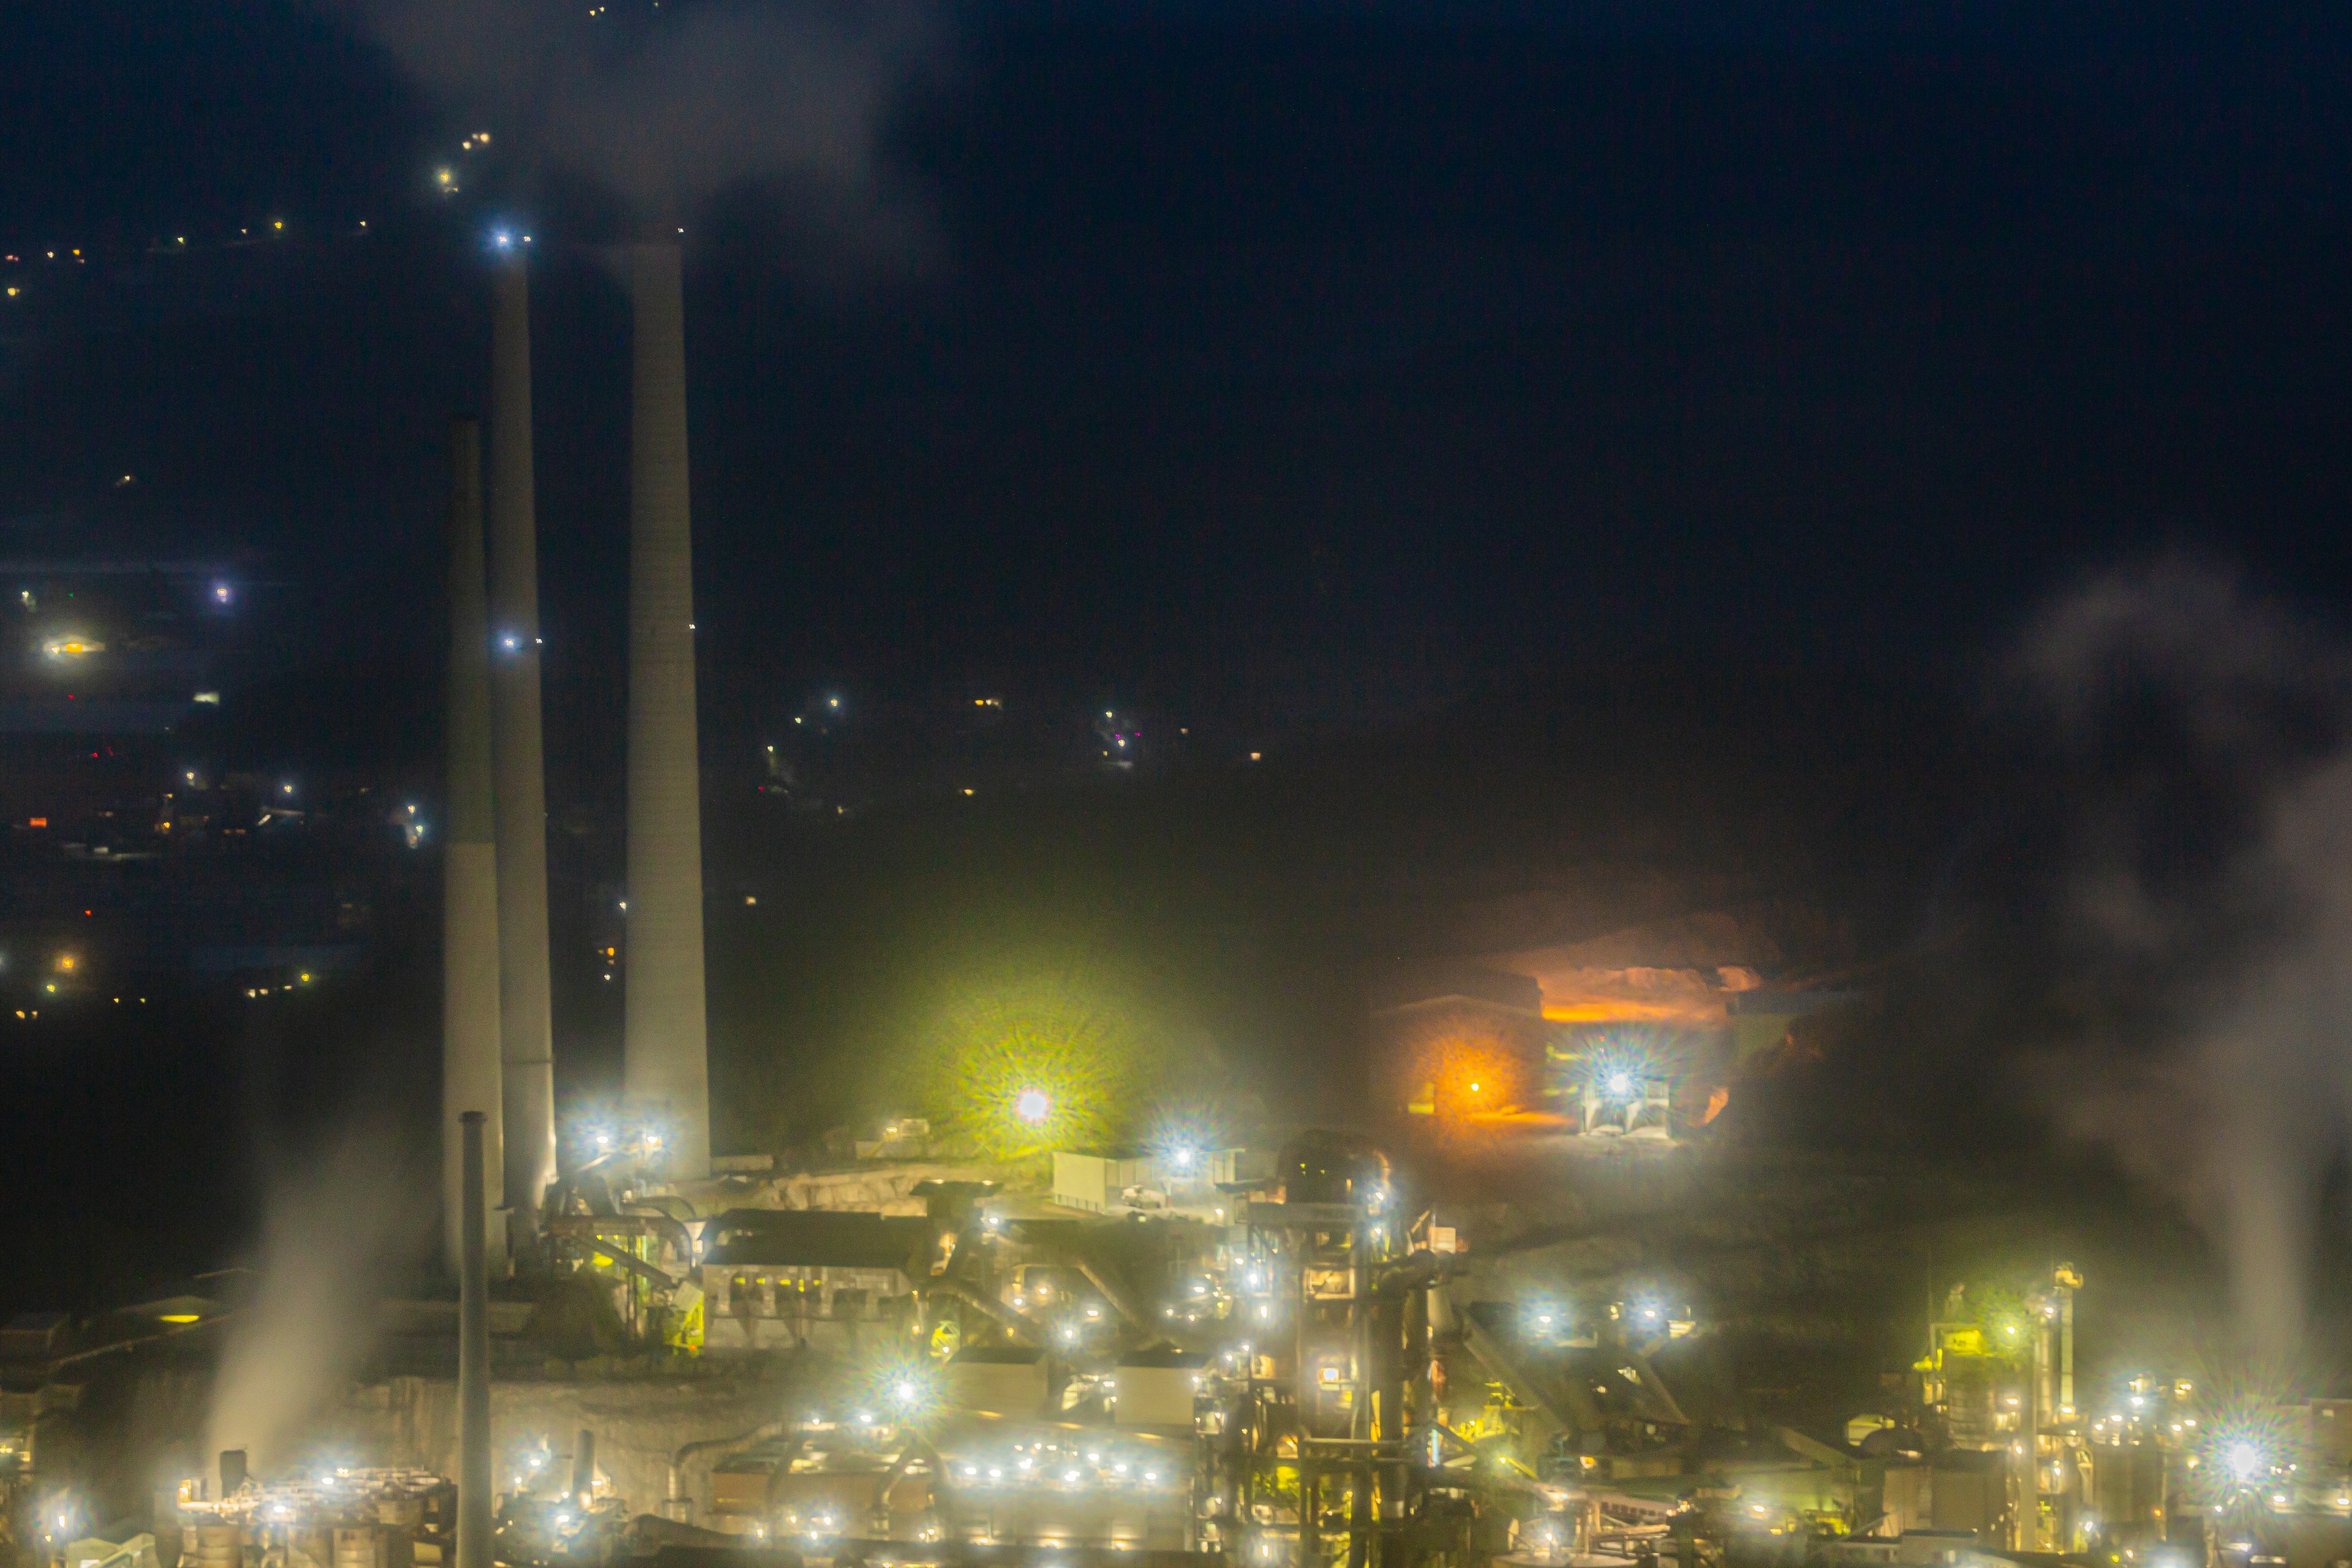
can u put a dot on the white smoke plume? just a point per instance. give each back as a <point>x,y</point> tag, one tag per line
<point>2213,732</point>
<point>669,105</point>
<point>338,1229</point>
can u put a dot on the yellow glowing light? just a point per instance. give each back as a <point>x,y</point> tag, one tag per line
<point>179,1318</point>
<point>278,225</point>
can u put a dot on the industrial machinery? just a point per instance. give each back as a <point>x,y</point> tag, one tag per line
<point>343,1517</point>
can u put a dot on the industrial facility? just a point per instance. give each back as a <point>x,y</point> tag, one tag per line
<point>1277,1346</point>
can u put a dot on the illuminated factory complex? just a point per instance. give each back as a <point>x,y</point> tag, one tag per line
<point>1463,1337</point>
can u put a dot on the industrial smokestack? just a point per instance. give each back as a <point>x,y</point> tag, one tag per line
<point>473,1358</point>
<point>469,899</point>
<point>526,1028</point>
<point>664,1046</point>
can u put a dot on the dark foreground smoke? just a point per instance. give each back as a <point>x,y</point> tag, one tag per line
<point>2211,898</point>
<point>671,104</point>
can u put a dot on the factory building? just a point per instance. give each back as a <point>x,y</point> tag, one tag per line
<point>1141,1182</point>
<point>779,1280</point>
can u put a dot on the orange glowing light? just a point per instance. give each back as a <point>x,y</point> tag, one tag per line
<point>1630,1010</point>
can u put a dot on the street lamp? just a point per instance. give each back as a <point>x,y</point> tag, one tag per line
<point>1033,1107</point>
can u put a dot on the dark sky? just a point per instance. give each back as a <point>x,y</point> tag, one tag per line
<point>1300,362</point>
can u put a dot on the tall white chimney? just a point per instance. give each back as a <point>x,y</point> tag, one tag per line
<point>526,1028</point>
<point>666,1065</point>
<point>469,898</point>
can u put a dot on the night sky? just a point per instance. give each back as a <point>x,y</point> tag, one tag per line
<point>1302,363</point>
<point>1290,367</point>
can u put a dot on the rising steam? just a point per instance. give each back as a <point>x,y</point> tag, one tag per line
<point>669,105</point>
<point>2211,732</point>
<point>336,1228</point>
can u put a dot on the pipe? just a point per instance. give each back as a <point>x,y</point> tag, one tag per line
<point>877,1519</point>
<point>706,1445</point>
<point>473,1360</point>
<point>665,1054</point>
<point>583,1466</point>
<point>525,1020</point>
<point>469,898</point>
